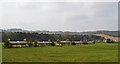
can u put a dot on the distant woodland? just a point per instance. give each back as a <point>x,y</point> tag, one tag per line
<point>45,37</point>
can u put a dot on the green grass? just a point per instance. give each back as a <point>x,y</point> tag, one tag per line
<point>99,52</point>
<point>0,52</point>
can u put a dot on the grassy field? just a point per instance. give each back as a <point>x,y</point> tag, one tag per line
<point>0,53</point>
<point>99,52</point>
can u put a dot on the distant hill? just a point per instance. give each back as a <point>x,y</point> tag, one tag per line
<point>110,33</point>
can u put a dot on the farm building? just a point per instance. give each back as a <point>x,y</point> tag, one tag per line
<point>91,42</point>
<point>81,42</point>
<point>78,42</point>
<point>18,44</point>
<point>44,43</point>
<point>65,42</point>
<point>109,41</point>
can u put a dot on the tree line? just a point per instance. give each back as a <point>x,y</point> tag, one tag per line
<point>45,37</point>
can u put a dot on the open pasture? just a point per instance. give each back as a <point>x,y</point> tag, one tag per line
<point>99,52</point>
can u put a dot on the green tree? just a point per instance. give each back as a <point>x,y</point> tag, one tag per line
<point>35,44</point>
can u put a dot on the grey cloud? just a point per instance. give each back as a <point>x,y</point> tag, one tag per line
<point>60,16</point>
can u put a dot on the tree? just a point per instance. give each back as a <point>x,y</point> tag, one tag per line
<point>35,44</point>
<point>30,44</point>
<point>45,37</point>
<point>7,43</point>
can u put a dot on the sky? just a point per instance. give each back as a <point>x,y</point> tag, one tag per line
<point>60,16</point>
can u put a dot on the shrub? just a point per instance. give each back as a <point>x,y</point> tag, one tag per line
<point>35,44</point>
<point>30,44</point>
<point>93,42</point>
<point>6,44</point>
<point>73,43</point>
<point>52,44</point>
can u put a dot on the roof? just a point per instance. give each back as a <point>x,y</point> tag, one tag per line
<point>65,41</point>
<point>90,42</point>
<point>82,42</point>
<point>78,42</point>
<point>44,42</point>
<point>18,42</point>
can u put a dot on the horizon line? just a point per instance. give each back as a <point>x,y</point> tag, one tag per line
<point>60,30</point>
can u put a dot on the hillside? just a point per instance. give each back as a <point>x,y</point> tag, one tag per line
<point>108,37</point>
<point>110,33</point>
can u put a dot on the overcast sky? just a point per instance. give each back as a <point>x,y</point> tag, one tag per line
<point>60,16</point>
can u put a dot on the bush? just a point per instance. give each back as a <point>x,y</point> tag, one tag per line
<point>6,44</point>
<point>73,43</point>
<point>52,44</point>
<point>93,42</point>
<point>30,44</point>
<point>35,44</point>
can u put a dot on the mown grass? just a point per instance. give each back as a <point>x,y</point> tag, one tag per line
<point>99,52</point>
